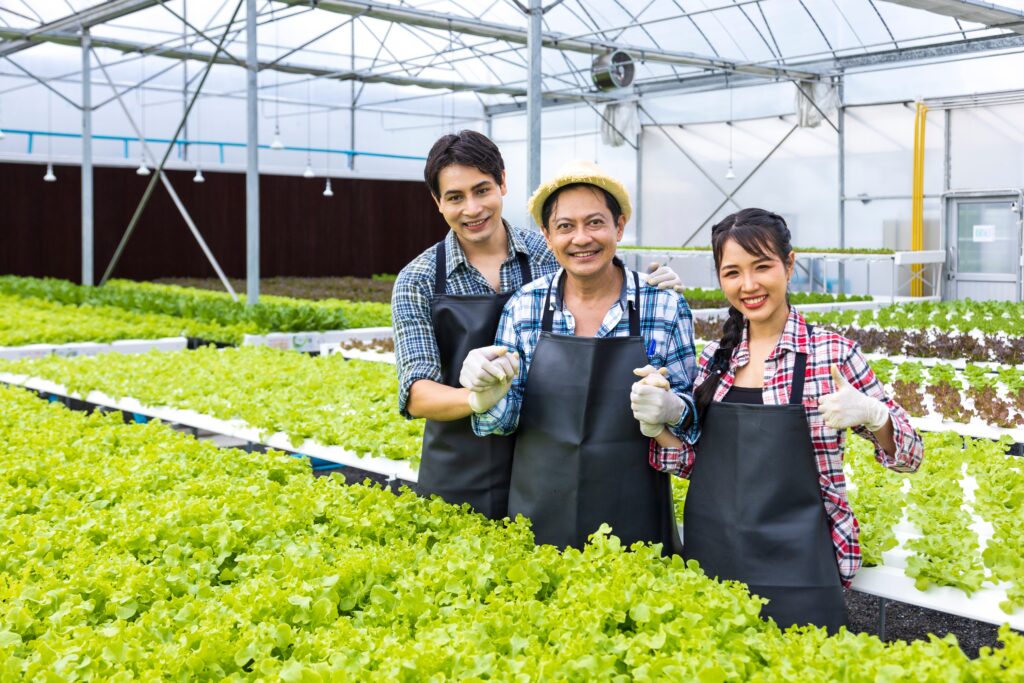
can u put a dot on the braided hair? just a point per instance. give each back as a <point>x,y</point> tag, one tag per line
<point>761,233</point>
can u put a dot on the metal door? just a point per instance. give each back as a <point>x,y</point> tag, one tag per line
<point>984,238</point>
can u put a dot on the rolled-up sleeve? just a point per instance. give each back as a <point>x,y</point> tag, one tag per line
<point>681,362</point>
<point>416,354</point>
<point>909,445</point>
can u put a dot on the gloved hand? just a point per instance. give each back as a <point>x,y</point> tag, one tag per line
<point>653,402</point>
<point>848,407</point>
<point>482,400</point>
<point>663,277</point>
<point>488,373</point>
<point>487,366</point>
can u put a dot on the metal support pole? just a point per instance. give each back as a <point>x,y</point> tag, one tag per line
<point>87,213</point>
<point>638,204</point>
<point>352,102</point>
<point>533,97</point>
<point>947,149</point>
<point>252,173</point>
<point>841,143</point>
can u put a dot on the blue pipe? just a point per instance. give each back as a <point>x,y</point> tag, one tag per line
<point>213,143</point>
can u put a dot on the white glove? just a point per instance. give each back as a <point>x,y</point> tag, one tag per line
<point>663,277</point>
<point>482,400</point>
<point>848,407</point>
<point>488,373</point>
<point>488,366</point>
<point>653,403</point>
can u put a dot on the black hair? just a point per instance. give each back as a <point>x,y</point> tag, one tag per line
<point>549,204</point>
<point>465,148</point>
<point>761,233</point>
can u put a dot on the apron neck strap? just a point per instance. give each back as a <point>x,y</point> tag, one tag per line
<point>634,309</point>
<point>440,268</point>
<point>796,393</point>
<point>525,273</point>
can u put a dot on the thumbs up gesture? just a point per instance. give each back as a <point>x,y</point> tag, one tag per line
<point>848,407</point>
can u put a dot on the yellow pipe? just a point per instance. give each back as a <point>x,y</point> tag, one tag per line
<point>917,198</point>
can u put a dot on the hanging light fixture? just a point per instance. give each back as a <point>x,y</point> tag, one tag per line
<point>308,173</point>
<point>276,143</point>
<point>328,192</point>
<point>198,177</point>
<point>49,176</point>
<point>142,169</point>
<point>729,175</point>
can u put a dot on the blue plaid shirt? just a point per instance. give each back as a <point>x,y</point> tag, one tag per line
<point>665,320</point>
<point>416,353</point>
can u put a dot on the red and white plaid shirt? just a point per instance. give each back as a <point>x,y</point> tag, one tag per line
<point>823,348</point>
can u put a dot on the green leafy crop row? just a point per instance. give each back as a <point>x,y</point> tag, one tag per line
<point>272,314</point>
<point>990,317</point>
<point>948,551</point>
<point>328,399</point>
<point>133,552</point>
<point>27,320</point>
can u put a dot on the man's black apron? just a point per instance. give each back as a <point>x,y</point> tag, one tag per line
<point>754,512</point>
<point>580,459</point>
<point>458,465</point>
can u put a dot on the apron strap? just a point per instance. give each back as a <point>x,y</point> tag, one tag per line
<point>634,308</point>
<point>440,276</point>
<point>525,273</point>
<point>549,313</point>
<point>796,394</point>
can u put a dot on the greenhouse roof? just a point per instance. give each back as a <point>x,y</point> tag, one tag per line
<point>481,47</point>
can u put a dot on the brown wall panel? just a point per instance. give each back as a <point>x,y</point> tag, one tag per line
<point>368,226</point>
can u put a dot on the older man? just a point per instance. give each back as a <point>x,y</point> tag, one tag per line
<point>572,340</point>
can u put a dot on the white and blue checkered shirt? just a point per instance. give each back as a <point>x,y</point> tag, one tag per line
<point>666,326</point>
<point>416,352</point>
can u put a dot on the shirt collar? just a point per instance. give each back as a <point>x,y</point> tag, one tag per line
<point>626,294</point>
<point>794,338</point>
<point>455,256</point>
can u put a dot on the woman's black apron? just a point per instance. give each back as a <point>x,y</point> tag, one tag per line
<point>580,459</point>
<point>458,465</point>
<point>754,511</point>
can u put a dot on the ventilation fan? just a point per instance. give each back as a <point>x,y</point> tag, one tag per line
<point>613,70</point>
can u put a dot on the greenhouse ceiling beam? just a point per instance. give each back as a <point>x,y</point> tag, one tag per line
<point>446,22</point>
<point>711,82</point>
<point>985,13</point>
<point>87,18</point>
<point>72,39</point>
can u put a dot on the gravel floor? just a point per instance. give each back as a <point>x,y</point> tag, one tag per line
<point>907,622</point>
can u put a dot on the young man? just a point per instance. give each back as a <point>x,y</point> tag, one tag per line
<point>447,301</point>
<point>573,340</point>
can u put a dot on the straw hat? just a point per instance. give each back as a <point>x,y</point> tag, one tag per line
<point>579,171</point>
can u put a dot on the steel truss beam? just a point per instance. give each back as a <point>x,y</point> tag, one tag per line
<point>513,34</point>
<point>838,65</point>
<point>72,39</point>
<point>984,13</point>
<point>87,18</point>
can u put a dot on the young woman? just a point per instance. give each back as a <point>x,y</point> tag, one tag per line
<point>767,499</point>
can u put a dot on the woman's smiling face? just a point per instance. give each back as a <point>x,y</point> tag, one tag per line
<point>755,284</point>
